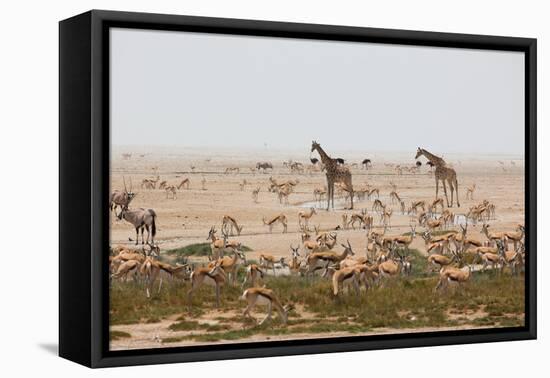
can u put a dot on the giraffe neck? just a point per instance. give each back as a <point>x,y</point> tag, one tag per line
<point>434,159</point>
<point>324,157</point>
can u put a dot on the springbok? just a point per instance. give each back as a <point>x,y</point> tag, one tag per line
<point>214,276</point>
<point>281,218</point>
<point>140,219</point>
<point>305,217</point>
<point>230,222</point>
<point>184,183</point>
<point>263,296</point>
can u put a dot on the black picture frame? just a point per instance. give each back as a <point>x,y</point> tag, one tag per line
<point>84,186</point>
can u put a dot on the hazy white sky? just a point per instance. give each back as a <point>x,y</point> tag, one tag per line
<point>179,88</point>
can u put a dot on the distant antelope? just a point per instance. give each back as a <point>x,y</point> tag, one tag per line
<point>231,222</point>
<point>263,296</point>
<point>372,192</point>
<point>385,217</point>
<point>435,203</point>
<point>394,197</point>
<point>140,219</point>
<point>470,192</point>
<point>171,190</point>
<point>163,184</point>
<point>418,205</point>
<point>304,217</point>
<point>358,218</point>
<point>184,183</point>
<point>283,194</point>
<point>319,194</point>
<point>378,206</point>
<point>234,170</point>
<point>242,185</point>
<point>255,194</point>
<point>281,218</point>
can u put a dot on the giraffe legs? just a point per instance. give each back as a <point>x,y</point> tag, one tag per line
<point>456,187</point>
<point>445,191</point>
<point>436,188</point>
<point>451,186</point>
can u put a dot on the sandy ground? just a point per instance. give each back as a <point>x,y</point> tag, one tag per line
<point>187,219</point>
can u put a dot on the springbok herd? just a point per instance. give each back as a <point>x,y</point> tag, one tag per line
<point>386,229</point>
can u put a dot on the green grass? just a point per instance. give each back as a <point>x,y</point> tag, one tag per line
<point>116,335</point>
<point>199,249</point>
<point>406,302</point>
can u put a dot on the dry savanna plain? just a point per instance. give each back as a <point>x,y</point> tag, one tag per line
<point>402,303</point>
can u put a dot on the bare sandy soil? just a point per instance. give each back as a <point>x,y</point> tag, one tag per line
<point>187,219</point>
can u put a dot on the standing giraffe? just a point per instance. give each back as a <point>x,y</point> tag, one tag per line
<point>335,173</point>
<point>443,174</point>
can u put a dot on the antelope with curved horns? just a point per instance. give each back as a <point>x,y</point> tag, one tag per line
<point>121,198</point>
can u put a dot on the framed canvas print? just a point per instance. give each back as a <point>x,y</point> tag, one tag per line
<point>235,188</point>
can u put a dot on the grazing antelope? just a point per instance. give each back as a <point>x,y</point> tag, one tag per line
<point>305,217</point>
<point>358,218</point>
<point>263,296</point>
<point>255,194</point>
<point>281,218</point>
<point>449,275</point>
<point>252,273</point>
<point>229,222</point>
<point>418,205</point>
<point>378,206</point>
<point>163,184</point>
<point>470,192</point>
<point>372,192</point>
<point>394,197</point>
<point>140,219</point>
<point>343,276</point>
<point>434,204</point>
<point>184,183</point>
<point>121,198</point>
<point>214,276</point>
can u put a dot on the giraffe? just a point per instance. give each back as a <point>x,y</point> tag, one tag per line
<point>335,173</point>
<point>443,174</point>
